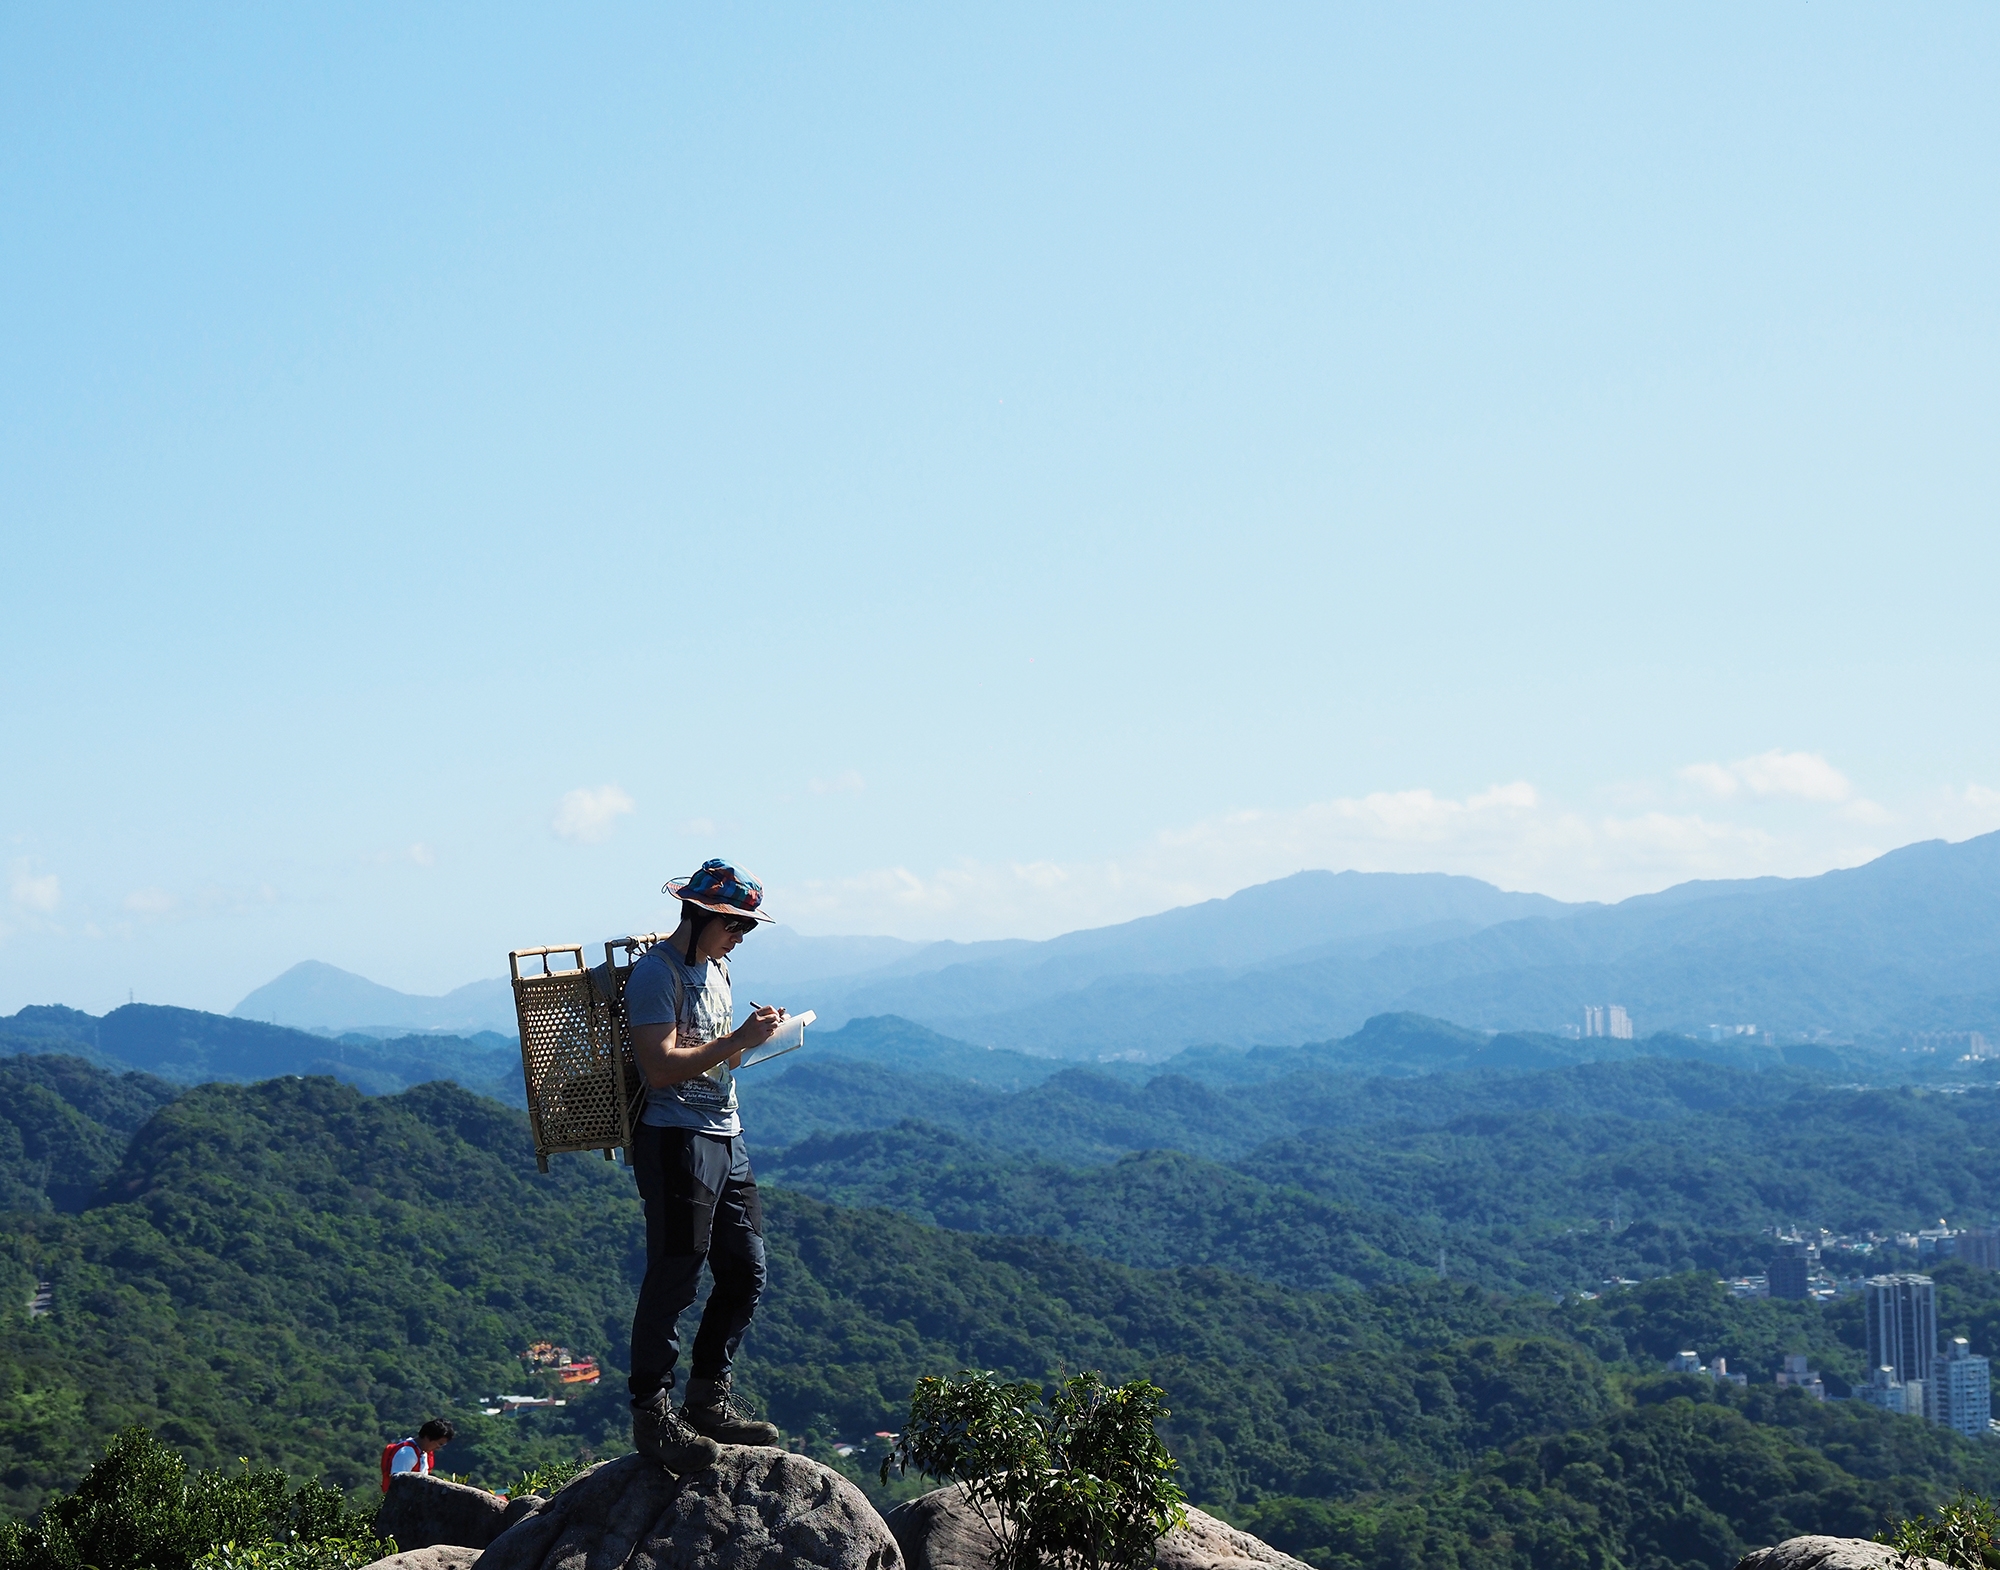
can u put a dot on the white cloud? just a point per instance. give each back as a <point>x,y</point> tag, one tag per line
<point>1803,775</point>
<point>587,817</point>
<point>149,902</point>
<point>1961,813</point>
<point>1800,776</point>
<point>1711,777</point>
<point>38,895</point>
<point>846,783</point>
<point>421,855</point>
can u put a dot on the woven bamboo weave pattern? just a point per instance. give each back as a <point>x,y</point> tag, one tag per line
<point>582,1087</point>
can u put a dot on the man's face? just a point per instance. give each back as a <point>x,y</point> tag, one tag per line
<point>718,939</point>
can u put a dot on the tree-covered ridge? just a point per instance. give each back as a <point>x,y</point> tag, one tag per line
<point>64,1125</point>
<point>1685,1479</point>
<point>294,1272</point>
<point>190,1046</point>
<point>1082,1116</point>
<point>1850,1160</point>
<point>1516,1198</point>
<point>1162,1208</point>
<point>290,1270</point>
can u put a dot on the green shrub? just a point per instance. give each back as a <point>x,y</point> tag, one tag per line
<point>139,1508</point>
<point>1964,1534</point>
<point>1074,1481</point>
<point>329,1553</point>
<point>549,1478</point>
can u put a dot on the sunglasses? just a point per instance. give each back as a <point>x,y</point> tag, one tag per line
<point>740,923</point>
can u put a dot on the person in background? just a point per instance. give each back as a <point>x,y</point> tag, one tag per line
<point>693,1171</point>
<point>416,1454</point>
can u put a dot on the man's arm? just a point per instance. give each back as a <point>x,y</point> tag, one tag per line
<point>664,1061</point>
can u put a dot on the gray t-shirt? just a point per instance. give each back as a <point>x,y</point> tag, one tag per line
<point>695,1000</point>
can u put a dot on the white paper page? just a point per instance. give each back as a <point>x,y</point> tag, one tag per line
<point>788,1037</point>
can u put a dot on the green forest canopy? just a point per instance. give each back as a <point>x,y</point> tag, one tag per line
<point>292,1271</point>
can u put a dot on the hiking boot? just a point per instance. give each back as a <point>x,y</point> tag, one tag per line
<point>710,1409</point>
<point>659,1433</point>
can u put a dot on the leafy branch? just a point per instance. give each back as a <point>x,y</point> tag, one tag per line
<point>1074,1480</point>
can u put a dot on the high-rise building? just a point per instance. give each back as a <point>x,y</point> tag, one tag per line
<point>1610,1020</point>
<point>1961,1390</point>
<point>1980,1246</point>
<point>1791,1269</point>
<point>1902,1325</point>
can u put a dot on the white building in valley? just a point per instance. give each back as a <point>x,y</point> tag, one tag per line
<point>1611,1021</point>
<point>1961,1390</point>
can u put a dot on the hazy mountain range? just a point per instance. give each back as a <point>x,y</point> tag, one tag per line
<point>1910,942</point>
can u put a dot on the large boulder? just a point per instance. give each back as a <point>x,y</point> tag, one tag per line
<point>421,1511</point>
<point>942,1531</point>
<point>755,1509</point>
<point>1831,1553</point>
<point>1208,1544</point>
<point>445,1556</point>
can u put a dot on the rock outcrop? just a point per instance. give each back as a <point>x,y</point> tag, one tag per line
<point>421,1511</point>
<point>445,1556</point>
<point>1831,1553</point>
<point>755,1509</point>
<point>941,1531</point>
<point>1208,1544</point>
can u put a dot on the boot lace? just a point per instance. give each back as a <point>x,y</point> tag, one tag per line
<point>731,1407</point>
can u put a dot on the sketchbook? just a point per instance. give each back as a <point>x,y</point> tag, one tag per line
<point>788,1037</point>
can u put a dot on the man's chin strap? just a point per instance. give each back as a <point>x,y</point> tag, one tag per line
<point>697,925</point>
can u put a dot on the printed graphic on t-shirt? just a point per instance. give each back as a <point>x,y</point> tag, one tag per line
<point>697,999</point>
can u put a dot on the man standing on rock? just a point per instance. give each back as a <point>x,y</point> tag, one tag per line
<point>694,1173</point>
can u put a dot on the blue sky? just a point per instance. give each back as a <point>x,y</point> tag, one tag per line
<point>988,472</point>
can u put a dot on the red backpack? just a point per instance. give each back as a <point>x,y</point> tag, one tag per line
<point>389,1454</point>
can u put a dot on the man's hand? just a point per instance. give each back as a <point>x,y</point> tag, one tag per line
<point>754,1031</point>
<point>664,1061</point>
<point>759,1028</point>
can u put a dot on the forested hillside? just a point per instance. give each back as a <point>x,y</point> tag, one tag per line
<point>188,1047</point>
<point>1085,1115</point>
<point>293,1271</point>
<point>1515,1198</point>
<point>64,1125</point>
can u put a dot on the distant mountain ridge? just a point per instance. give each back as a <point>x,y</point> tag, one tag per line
<point>1293,918</point>
<point>1909,942</point>
<point>189,1047</point>
<point>316,996</point>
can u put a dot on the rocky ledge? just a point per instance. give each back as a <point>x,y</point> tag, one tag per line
<point>755,1509</point>
<point>941,1531</point>
<point>1832,1553</point>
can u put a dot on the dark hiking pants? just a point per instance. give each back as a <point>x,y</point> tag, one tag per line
<point>701,1204</point>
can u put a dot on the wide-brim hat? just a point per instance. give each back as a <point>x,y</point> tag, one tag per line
<point>719,887</point>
